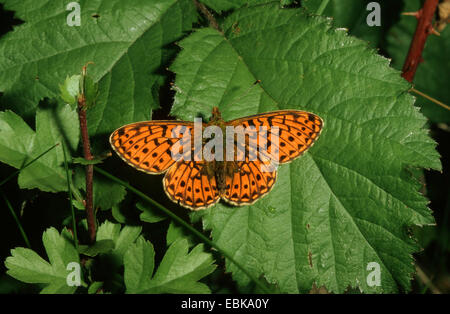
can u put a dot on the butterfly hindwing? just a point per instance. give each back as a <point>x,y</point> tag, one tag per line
<point>187,184</point>
<point>251,181</point>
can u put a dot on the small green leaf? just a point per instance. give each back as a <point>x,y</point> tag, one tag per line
<point>99,247</point>
<point>83,161</point>
<point>90,91</point>
<point>78,205</point>
<point>178,272</point>
<point>94,287</point>
<point>122,238</point>
<point>27,266</point>
<point>149,214</point>
<point>70,89</point>
<point>175,232</point>
<point>116,211</point>
<point>106,193</point>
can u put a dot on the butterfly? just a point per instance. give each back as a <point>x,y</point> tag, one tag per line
<point>196,182</point>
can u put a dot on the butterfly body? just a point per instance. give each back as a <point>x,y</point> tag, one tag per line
<point>197,182</point>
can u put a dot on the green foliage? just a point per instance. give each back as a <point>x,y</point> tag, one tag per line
<point>351,199</point>
<point>352,15</point>
<point>226,5</point>
<point>175,232</point>
<point>178,272</point>
<point>346,201</point>
<point>122,238</point>
<point>127,50</point>
<point>70,89</point>
<point>106,193</point>
<point>27,266</point>
<point>20,144</point>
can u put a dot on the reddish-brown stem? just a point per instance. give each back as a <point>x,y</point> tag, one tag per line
<point>90,216</point>
<point>423,29</point>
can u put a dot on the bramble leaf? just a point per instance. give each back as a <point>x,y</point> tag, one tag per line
<point>226,5</point>
<point>350,199</point>
<point>129,51</point>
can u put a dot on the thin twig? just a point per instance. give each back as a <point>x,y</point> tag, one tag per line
<point>74,222</point>
<point>90,216</point>
<point>16,219</point>
<point>426,280</point>
<point>204,10</point>
<point>423,29</point>
<point>430,98</point>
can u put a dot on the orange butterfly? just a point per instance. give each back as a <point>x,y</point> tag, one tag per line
<point>200,183</point>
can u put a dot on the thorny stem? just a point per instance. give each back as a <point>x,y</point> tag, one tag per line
<point>423,29</point>
<point>90,216</point>
<point>204,10</point>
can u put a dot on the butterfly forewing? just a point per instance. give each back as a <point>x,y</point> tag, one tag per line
<point>297,129</point>
<point>147,145</point>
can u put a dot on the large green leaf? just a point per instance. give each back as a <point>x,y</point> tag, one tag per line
<point>225,5</point>
<point>27,266</point>
<point>19,144</point>
<point>432,75</point>
<point>178,272</point>
<point>129,42</point>
<point>348,200</point>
